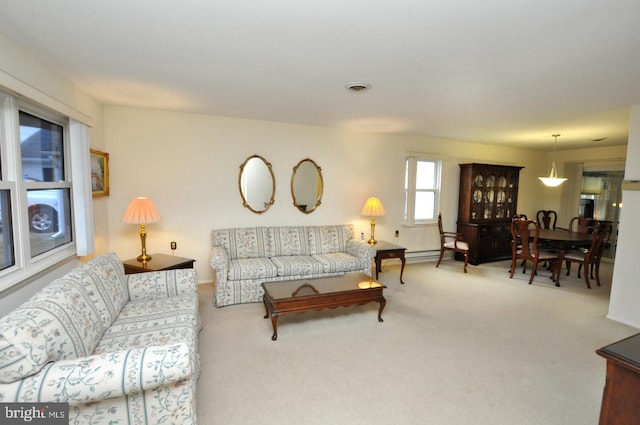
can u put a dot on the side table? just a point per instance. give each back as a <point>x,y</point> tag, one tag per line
<point>386,250</point>
<point>158,262</point>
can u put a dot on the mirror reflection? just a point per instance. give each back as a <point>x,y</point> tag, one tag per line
<point>306,186</point>
<point>257,184</point>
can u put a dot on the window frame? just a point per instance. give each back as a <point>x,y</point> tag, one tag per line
<point>410,190</point>
<point>11,179</point>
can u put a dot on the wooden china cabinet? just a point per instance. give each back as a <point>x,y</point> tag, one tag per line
<point>488,201</point>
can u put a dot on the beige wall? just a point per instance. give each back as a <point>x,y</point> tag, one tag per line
<point>189,164</point>
<point>625,291</point>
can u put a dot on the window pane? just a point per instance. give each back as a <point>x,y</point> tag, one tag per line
<point>49,219</point>
<point>425,205</point>
<point>41,148</point>
<point>7,256</point>
<point>406,174</point>
<point>425,175</point>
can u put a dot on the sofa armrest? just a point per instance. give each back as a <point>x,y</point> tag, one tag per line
<point>360,249</point>
<point>219,261</point>
<point>103,376</point>
<point>162,284</point>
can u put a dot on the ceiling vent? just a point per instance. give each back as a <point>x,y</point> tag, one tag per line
<point>358,87</point>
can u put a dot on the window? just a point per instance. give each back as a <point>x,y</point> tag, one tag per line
<point>421,190</point>
<point>35,190</point>
<point>48,195</point>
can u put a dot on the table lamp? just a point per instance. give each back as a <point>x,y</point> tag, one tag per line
<point>142,211</point>
<point>373,208</point>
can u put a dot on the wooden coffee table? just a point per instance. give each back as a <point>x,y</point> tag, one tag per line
<point>299,296</point>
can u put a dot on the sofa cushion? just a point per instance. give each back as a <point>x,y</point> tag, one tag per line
<point>288,240</point>
<point>340,262</point>
<point>154,322</point>
<point>328,239</point>
<point>249,242</point>
<point>59,322</point>
<point>251,268</point>
<point>104,281</point>
<point>294,265</point>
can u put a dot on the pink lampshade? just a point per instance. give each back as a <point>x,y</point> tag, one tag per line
<point>141,211</point>
<point>373,208</point>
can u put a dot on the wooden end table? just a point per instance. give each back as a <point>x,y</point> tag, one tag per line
<point>621,394</point>
<point>158,262</point>
<point>385,251</point>
<point>301,295</point>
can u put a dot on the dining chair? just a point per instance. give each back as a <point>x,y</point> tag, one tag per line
<point>528,232</point>
<point>547,219</point>
<point>589,258</point>
<point>451,241</point>
<point>582,225</point>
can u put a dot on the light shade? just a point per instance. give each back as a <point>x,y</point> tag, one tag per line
<point>373,208</point>
<point>141,211</point>
<point>553,180</point>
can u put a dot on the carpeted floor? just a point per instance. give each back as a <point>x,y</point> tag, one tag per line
<point>454,348</point>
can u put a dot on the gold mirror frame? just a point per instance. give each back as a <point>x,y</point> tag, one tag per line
<point>311,181</point>
<point>263,185</point>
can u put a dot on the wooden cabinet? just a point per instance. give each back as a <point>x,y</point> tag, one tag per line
<point>488,200</point>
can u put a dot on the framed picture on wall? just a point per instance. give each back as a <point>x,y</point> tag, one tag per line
<point>99,173</point>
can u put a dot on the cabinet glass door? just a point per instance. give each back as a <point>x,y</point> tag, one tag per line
<point>501,198</point>
<point>490,192</point>
<point>477,197</point>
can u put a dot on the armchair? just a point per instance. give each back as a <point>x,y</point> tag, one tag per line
<point>451,241</point>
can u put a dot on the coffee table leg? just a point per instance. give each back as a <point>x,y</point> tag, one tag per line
<point>382,304</point>
<point>274,323</point>
<point>402,269</point>
<point>266,309</point>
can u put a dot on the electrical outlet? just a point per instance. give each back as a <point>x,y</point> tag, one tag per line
<point>174,245</point>
<point>397,233</point>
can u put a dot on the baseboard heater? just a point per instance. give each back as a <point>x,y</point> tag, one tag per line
<point>422,256</point>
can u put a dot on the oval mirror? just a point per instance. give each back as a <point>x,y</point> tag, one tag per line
<point>306,186</point>
<point>257,184</point>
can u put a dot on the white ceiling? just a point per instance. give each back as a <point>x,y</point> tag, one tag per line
<point>495,71</point>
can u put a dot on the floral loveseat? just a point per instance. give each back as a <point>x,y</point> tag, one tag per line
<point>119,349</point>
<point>244,258</point>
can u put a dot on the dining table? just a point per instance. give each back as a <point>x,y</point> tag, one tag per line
<point>562,240</point>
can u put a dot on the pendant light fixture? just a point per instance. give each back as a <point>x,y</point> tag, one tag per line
<point>553,180</point>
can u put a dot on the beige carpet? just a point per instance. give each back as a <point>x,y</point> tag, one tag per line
<point>453,349</point>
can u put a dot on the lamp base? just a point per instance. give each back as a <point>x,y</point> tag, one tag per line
<point>373,240</point>
<point>144,258</point>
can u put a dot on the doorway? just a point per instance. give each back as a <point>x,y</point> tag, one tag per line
<point>601,199</point>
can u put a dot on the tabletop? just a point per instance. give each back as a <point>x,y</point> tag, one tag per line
<point>561,235</point>
<point>387,246</point>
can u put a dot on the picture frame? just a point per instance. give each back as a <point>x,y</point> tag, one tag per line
<point>99,173</point>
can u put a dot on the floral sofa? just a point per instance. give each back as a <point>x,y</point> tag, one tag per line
<point>244,258</point>
<point>119,349</point>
